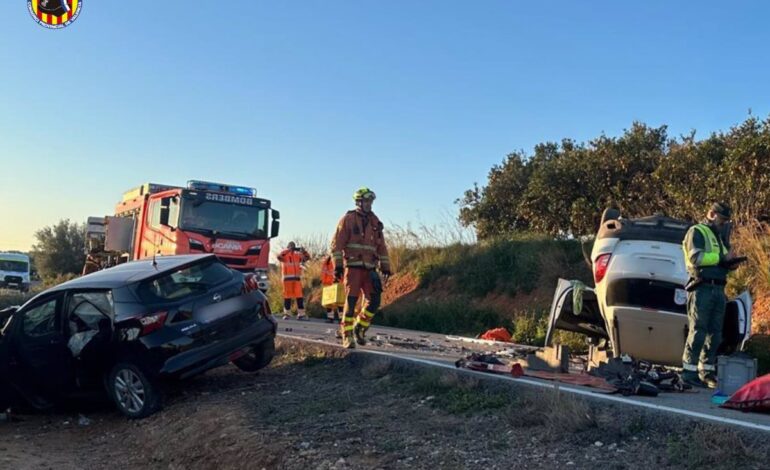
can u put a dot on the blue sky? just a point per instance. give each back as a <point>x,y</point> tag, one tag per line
<point>308,100</point>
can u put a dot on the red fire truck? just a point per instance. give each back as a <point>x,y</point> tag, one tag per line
<point>156,220</point>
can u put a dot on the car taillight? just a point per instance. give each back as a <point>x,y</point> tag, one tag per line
<point>600,267</point>
<point>152,322</point>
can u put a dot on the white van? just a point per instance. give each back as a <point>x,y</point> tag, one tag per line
<point>14,271</point>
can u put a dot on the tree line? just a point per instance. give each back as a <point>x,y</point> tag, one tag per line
<point>562,188</point>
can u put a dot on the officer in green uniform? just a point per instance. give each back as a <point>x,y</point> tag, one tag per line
<point>708,259</point>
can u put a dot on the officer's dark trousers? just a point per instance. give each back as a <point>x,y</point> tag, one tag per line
<point>706,315</point>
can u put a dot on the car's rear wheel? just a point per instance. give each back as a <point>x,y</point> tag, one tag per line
<point>135,395</point>
<point>610,214</point>
<point>258,357</point>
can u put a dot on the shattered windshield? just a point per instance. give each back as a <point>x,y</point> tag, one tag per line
<point>13,266</point>
<point>224,219</point>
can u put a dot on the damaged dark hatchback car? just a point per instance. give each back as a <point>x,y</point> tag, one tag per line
<point>129,328</point>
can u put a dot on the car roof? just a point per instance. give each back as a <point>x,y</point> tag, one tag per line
<point>133,271</point>
<point>653,228</point>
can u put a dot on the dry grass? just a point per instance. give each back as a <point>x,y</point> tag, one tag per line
<point>752,240</point>
<point>558,413</point>
<point>708,446</point>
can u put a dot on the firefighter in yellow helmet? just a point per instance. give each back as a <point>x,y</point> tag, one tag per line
<point>358,249</point>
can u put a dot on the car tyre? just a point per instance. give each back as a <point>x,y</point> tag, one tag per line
<point>610,213</point>
<point>135,395</point>
<point>258,357</point>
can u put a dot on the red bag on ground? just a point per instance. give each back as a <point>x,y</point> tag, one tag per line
<point>497,334</point>
<point>754,396</point>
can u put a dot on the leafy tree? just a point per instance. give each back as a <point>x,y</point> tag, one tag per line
<point>60,249</point>
<point>563,188</point>
<point>494,209</point>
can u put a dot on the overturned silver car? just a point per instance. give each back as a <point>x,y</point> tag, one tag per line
<point>638,306</point>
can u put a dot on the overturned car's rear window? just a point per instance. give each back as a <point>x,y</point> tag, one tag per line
<point>186,282</point>
<point>647,293</point>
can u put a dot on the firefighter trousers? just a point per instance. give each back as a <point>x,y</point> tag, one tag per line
<point>366,282</point>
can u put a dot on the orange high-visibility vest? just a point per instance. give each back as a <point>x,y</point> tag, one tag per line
<point>327,272</point>
<point>291,264</point>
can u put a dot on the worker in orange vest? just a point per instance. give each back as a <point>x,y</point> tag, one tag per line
<point>291,267</point>
<point>359,247</point>
<point>327,279</point>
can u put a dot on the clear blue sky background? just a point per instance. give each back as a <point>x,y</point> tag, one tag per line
<point>308,100</point>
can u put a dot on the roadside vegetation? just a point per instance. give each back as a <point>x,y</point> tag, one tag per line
<point>498,262</point>
<point>319,407</point>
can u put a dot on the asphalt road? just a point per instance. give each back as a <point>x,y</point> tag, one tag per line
<point>442,351</point>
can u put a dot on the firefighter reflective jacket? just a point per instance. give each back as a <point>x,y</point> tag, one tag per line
<point>360,242</point>
<point>291,264</point>
<point>327,272</point>
<point>703,252</point>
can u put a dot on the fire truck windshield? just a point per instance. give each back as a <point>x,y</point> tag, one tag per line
<point>224,219</point>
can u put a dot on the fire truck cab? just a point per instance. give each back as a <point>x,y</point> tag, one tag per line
<point>204,217</point>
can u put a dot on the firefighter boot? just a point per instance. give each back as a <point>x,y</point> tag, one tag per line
<point>348,342</point>
<point>360,334</point>
<point>363,320</point>
<point>346,328</point>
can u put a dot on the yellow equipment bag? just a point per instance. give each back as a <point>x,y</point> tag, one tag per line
<point>333,295</point>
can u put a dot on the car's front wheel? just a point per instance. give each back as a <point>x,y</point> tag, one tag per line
<point>135,395</point>
<point>258,357</point>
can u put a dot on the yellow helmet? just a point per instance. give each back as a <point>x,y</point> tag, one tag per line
<point>364,193</point>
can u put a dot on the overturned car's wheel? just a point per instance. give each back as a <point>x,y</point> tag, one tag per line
<point>258,357</point>
<point>610,213</point>
<point>135,395</point>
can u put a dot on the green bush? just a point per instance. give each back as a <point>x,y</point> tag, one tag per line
<point>530,328</point>
<point>509,265</point>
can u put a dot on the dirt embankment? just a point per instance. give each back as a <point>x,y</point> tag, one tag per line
<point>314,408</point>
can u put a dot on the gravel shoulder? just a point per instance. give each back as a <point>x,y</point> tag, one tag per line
<point>315,407</point>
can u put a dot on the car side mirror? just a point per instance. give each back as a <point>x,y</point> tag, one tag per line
<point>276,223</point>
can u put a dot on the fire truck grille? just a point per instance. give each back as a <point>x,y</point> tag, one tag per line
<point>233,261</point>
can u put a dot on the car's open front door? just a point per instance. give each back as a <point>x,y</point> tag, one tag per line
<point>737,325</point>
<point>575,308</point>
<point>39,361</point>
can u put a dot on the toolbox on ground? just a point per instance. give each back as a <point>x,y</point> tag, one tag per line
<point>333,295</point>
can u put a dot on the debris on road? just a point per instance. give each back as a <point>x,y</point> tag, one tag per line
<point>489,363</point>
<point>639,377</point>
<point>497,334</point>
